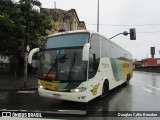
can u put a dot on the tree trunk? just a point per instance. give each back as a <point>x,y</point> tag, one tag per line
<point>20,65</point>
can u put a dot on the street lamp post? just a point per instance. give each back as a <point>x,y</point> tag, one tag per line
<point>98,17</point>
<point>125,33</point>
<point>27,48</point>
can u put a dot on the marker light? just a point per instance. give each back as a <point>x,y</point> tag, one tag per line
<point>41,87</point>
<point>81,89</point>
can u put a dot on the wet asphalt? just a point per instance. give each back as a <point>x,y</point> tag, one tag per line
<point>142,94</point>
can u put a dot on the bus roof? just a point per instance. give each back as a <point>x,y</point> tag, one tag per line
<point>84,31</point>
<point>70,32</point>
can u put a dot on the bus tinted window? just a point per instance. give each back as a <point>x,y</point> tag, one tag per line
<point>104,47</point>
<point>119,53</point>
<point>69,40</point>
<point>94,55</point>
<point>95,45</point>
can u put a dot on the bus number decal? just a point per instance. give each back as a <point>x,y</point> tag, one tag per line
<point>95,88</point>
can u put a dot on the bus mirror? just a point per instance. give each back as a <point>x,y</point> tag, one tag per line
<point>85,54</point>
<point>31,53</point>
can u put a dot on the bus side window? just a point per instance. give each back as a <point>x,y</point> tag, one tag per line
<point>94,55</point>
<point>92,65</point>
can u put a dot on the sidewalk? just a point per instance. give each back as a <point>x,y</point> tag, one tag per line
<point>14,83</point>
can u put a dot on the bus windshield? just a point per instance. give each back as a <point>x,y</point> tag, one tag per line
<point>62,60</point>
<point>69,40</point>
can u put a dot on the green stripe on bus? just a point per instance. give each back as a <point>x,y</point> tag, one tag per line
<point>116,69</point>
<point>119,72</point>
<point>72,85</point>
<point>62,85</point>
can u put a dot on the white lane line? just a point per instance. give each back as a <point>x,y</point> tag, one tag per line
<point>155,87</point>
<point>76,112</point>
<point>26,91</point>
<point>150,90</point>
<point>146,89</point>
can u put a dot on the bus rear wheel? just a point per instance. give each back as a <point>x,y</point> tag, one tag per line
<point>105,89</point>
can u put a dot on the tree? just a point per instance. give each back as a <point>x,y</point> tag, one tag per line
<point>21,25</point>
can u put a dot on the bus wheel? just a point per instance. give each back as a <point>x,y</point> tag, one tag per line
<point>105,89</point>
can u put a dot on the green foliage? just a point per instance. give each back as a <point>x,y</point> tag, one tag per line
<point>20,25</point>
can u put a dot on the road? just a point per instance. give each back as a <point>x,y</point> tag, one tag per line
<point>142,94</point>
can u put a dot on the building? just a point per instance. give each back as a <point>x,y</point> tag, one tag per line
<point>63,20</point>
<point>151,62</point>
<point>137,64</point>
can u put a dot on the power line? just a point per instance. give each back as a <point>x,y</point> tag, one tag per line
<point>117,25</point>
<point>130,25</point>
<point>150,32</point>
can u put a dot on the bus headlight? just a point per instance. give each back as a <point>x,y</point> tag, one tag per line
<point>41,87</point>
<point>81,89</point>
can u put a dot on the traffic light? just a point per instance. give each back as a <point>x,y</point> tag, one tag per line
<point>152,51</point>
<point>132,34</point>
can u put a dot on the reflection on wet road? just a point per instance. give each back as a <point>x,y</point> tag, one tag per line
<point>143,94</point>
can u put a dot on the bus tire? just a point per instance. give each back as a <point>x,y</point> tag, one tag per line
<point>105,89</point>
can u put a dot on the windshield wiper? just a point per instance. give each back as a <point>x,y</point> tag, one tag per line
<point>52,66</point>
<point>72,65</point>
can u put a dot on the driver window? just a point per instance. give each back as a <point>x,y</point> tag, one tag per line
<point>92,65</point>
<point>94,55</point>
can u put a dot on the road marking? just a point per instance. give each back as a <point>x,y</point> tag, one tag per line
<point>155,88</point>
<point>26,91</point>
<point>150,89</point>
<point>77,112</point>
<point>146,89</point>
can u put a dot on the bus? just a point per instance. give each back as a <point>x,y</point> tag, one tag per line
<point>80,66</point>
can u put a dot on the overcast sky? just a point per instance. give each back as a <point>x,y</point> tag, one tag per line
<point>144,15</point>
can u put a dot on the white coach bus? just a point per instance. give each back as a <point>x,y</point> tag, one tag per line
<point>80,66</point>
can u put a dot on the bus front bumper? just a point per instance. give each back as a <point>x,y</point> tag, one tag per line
<point>70,96</point>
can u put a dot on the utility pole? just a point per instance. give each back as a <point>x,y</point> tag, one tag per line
<point>26,48</point>
<point>98,17</point>
<point>54,4</point>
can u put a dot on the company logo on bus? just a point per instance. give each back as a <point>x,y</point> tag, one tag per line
<point>95,89</point>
